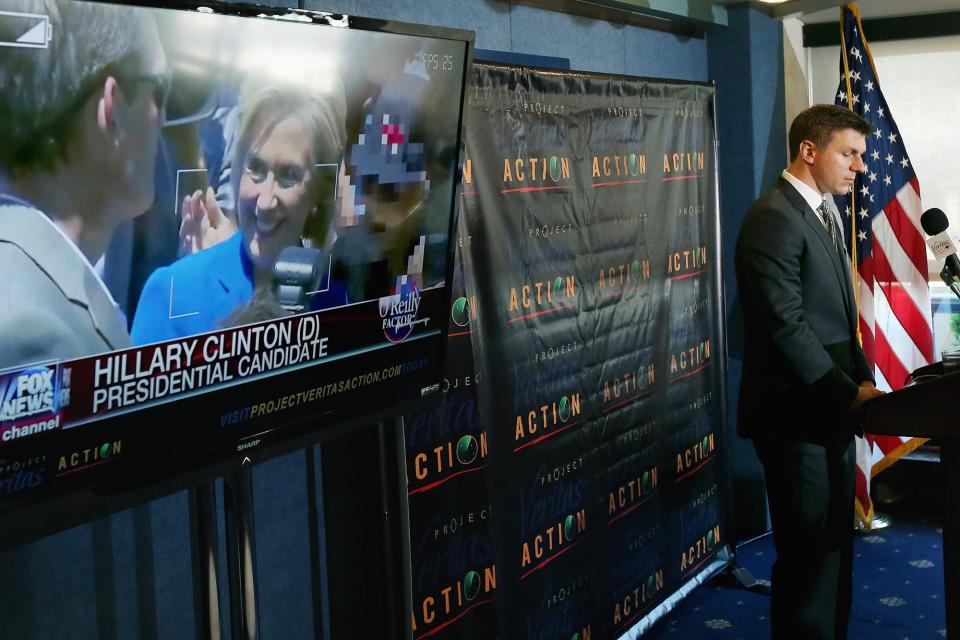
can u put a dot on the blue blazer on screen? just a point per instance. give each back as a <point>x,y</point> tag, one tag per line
<point>198,292</point>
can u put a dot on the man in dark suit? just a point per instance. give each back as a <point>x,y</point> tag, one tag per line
<point>804,373</point>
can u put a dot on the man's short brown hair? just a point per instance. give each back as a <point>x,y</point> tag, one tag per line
<point>818,123</point>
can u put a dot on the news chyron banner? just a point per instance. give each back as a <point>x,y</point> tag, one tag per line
<point>574,479</point>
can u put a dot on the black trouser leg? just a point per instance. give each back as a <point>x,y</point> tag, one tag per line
<point>810,490</point>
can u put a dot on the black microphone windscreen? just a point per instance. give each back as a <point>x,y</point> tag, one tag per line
<point>934,221</point>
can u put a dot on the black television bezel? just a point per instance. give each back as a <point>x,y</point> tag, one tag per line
<point>134,480</point>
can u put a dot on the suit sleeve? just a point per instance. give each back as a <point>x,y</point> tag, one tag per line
<point>769,254</point>
<point>34,315</point>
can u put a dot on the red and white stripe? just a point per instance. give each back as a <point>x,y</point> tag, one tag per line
<point>895,322</point>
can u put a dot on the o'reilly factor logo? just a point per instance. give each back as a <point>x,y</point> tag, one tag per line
<point>83,459</point>
<point>29,402</point>
<point>399,312</point>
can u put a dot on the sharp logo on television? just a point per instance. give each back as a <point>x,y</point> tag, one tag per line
<point>544,171</point>
<point>82,459</point>
<point>634,602</point>
<point>21,475</point>
<point>29,402</point>
<point>449,602</point>
<point>702,546</point>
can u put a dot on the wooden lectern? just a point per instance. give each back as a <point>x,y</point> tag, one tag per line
<point>931,409</point>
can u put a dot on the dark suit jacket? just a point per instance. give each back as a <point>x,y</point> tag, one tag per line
<point>802,360</point>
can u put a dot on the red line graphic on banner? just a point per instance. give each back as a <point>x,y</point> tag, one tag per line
<point>539,313</point>
<point>545,436</point>
<point>623,513</point>
<point>699,564</point>
<point>528,189</point>
<point>639,396</point>
<point>89,466</point>
<point>696,468</point>
<point>616,183</point>
<point>639,613</point>
<point>460,333</point>
<point>547,561</point>
<point>455,618</point>
<point>678,178</point>
<point>688,275</point>
<point>437,483</point>
<point>691,373</point>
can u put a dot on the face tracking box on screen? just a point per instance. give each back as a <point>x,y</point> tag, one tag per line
<point>215,225</point>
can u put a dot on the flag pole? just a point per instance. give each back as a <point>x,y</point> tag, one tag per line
<point>854,271</point>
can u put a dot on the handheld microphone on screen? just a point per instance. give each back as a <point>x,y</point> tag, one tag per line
<point>944,246</point>
<point>297,272</point>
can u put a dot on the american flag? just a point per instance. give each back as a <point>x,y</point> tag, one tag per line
<point>882,229</point>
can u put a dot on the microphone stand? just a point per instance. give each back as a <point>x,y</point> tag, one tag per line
<point>950,280</point>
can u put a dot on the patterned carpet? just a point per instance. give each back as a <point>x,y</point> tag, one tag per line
<point>898,592</point>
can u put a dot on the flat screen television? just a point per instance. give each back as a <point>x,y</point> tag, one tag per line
<point>220,226</point>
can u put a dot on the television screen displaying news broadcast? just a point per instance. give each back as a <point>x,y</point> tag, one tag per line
<point>214,222</point>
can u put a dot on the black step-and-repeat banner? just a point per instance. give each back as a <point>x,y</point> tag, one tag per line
<point>573,479</point>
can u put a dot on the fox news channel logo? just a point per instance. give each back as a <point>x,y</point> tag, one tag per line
<point>30,401</point>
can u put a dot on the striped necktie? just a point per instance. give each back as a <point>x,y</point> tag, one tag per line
<point>831,226</point>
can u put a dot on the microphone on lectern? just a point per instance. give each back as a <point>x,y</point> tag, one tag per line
<point>944,246</point>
